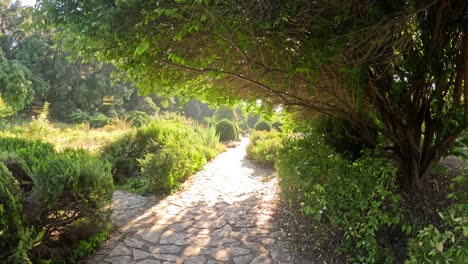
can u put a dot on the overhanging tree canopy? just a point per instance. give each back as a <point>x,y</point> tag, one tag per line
<point>397,66</point>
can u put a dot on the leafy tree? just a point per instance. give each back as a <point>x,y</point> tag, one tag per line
<point>396,66</point>
<point>15,87</point>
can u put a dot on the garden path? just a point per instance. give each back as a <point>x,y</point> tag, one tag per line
<point>224,214</point>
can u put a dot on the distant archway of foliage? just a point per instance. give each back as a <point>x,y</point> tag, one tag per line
<point>398,67</point>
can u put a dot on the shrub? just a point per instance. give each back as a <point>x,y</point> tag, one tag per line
<point>153,154</point>
<point>139,118</point>
<point>357,201</point>
<point>226,130</point>
<point>264,147</point>
<point>65,200</point>
<point>95,121</point>
<point>277,125</point>
<point>263,126</point>
<point>16,239</point>
<point>432,245</point>
<point>340,135</point>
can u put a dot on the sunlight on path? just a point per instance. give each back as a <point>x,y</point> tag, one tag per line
<point>224,215</point>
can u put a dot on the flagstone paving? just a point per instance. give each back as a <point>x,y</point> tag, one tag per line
<point>225,214</point>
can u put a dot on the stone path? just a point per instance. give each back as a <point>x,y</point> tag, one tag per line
<point>223,215</point>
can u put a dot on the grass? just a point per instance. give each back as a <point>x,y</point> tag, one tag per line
<point>63,135</point>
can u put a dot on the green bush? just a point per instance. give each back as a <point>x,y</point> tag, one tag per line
<point>161,155</point>
<point>95,121</point>
<point>263,126</point>
<point>264,147</point>
<point>139,118</point>
<point>277,125</point>
<point>225,112</point>
<point>16,239</point>
<point>340,135</point>
<point>226,130</point>
<point>432,245</point>
<point>63,197</point>
<point>355,201</point>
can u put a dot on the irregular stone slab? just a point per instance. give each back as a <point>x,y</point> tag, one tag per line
<point>243,259</point>
<point>237,251</point>
<point>151,234</point>
<point>120,251</point>
<point>149,261</point>
<point>196,260</point>
<point>139,254</point>
<point>180,226</point>
<point>223,232</point>
<point>165,249</point>
<point>133,242</point>
<point>261,260</point>
<point>167,257</point>
<point>221,255</point>
<point>118,259</point>
<point>170,237</point>
<point>219,241</point>
<point>218,223</point>
<point>192,251</point>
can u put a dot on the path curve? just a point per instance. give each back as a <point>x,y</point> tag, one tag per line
<point>225,214</point>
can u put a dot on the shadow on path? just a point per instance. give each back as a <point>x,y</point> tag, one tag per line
<point>224,215</point>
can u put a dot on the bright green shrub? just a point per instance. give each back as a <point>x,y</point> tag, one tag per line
<point>80,117</point>
<point>357,201</point>
<point>226,130</point>
<point>139,118</point>
<point>65,201</point>
<point>162,154</point>
<point>264,147</point>
<point>262,126</point>
<point>432,245</point>
<point>210,141</point>
<point>95,121</point>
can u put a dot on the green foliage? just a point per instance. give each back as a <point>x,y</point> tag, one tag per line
<point>354,200</point>
<point>96,120</point>
<point>264,147</point>
<point>16,239</point>
<point>277,125</point>
<point>340,135</point>
<point>139,118</point>
<point>148,106</point>
<point>225,112</point>
<point>153,154</point>
<point>15,86</point>
<point>326,66</point>
<point>262,125</point>
<point>226,131</point>
<point>460,148</point>
<point>63,197</point>
<point>449,245</point>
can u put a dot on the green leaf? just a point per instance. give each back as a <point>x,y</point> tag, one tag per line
<point>144,45</point>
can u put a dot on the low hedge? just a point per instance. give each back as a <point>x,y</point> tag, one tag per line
<point>53,200</point>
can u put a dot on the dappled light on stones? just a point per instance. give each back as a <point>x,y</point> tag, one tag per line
<point>225,214</point>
